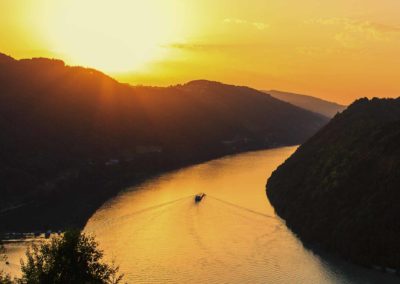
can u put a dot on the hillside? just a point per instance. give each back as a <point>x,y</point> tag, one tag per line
<point>328,109</point>
<point>340,189</point>
<point>72,137</point>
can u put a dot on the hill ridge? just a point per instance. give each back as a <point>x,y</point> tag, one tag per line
<point>340,188</point>
<point>314,104</point>
<point>71,136</point>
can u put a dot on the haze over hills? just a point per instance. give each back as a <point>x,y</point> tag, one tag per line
<point>341,188</point>
<point>72,137</point>
<point>329,109</point>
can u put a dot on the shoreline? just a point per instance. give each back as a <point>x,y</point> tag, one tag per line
<point>58,213</point>
<point>326,252</point>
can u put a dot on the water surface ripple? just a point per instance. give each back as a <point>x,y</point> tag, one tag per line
<point>158,234</point>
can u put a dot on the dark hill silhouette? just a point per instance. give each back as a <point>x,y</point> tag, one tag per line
<point>341,188</point>
<point>328,109</point>
<point>72,136</point>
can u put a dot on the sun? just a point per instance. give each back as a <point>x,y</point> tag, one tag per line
<point>114,36</point>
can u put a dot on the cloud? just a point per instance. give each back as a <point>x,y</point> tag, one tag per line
<point>198,46</point>
<point>353,31</point>
<point>257,25</point>
<point>260,26</point>
<point>235,21</point>
<point>320,52</point>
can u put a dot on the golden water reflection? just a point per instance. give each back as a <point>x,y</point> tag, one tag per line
<point>158,234</point>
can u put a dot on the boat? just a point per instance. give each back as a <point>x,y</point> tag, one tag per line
<point>199,197</point>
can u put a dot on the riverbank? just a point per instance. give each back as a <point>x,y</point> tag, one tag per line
<point>237,240</point>
<point>72,201</point>
<point>157,233</point>
<point>339,190</point>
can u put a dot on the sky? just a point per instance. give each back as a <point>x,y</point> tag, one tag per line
<point>337,50</point>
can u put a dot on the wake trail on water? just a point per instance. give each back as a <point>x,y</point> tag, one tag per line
<point>112,221</point>
<point>242,208</point>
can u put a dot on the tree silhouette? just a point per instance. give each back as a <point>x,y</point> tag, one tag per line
<point>4,278</point>
<point>71,258</point>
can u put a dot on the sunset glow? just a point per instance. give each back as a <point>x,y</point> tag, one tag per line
<point>336,50</point>
<point>112,37</point>
<point>199,141</point>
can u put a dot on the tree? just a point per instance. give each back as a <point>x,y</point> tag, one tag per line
<point>71,258</point>
<point>4,278</point>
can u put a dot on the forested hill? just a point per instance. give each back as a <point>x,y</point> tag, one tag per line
<point>326,108</point>
<point>341,189</point>
<point>58,122</point>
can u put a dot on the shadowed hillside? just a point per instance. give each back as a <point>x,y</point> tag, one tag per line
<point>328,109</point>
<point>341,188</point>
<point>72,137</point>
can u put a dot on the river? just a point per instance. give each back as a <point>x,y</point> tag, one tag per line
<point>158,234</point>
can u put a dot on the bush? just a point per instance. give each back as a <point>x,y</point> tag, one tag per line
<point>4,278</point>
<point>72,258</point>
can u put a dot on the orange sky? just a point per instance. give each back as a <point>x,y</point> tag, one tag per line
<point>337,50</point>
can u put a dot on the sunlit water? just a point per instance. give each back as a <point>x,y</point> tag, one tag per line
<point>158,234</point>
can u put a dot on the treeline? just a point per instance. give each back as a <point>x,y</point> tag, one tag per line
<point>72,136</point>
<point>71,258</point>
<point>340,189</point>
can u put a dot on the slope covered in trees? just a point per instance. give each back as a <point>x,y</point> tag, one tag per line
<point>69,132</point>
<point>328,109</point>
<point>341,189</point>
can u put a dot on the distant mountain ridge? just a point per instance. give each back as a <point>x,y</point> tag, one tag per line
<point>71,136</point>
<point>329,109</point>
<point>340,189</point>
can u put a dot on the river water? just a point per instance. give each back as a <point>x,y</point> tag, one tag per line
<point>158,234</point>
